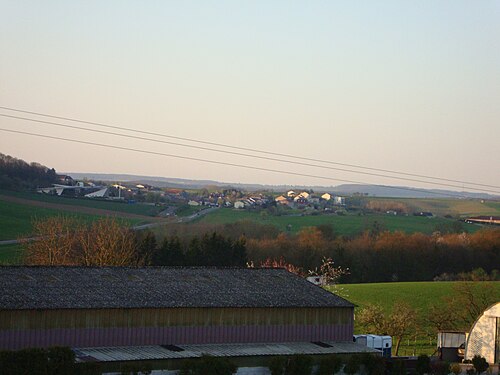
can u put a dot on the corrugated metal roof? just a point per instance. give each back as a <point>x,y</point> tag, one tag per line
<point>43,287</point>
<point>136,353</point>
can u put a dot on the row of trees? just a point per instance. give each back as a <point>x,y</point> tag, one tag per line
<point>208,250</point>
<point>68,241</point>
<point>107,242</point>
<point>16,174</point>
<point>385,256</point>
<point>375,256</point>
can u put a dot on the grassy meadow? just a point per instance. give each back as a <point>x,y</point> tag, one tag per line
<point>419,295</point>
<point>118,206</point>
<point>16,219</point>
<point>11,254</point>
<point>350,224</point>
<point>447,206</point>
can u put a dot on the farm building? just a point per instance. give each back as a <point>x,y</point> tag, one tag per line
<point>176,308</point>
<point>484,337</point>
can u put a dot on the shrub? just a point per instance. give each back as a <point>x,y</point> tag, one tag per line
<point>374,364</point>
<point>299,365</point>
<point>277,365</point>
<point>329,365</point>
<point>37,361</point>
<point>423,364</point>
<point>479,364</point>
<point>60,361</point>
<point>353,364</point>
<point>455,368</point>
<point>208,365</point>
<point>440,368</point>
<point>398,367</point>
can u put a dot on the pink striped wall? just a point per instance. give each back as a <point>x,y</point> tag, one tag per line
<point>123,336</point>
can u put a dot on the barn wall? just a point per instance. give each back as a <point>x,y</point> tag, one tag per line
<point>120,327</point>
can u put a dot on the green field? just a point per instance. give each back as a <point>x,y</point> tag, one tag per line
<point>16,219</point>
<point>119,206</point>
<point>420,295</point>
<point>10,254</point>
<point>447,206</point>
<point>350,224</point>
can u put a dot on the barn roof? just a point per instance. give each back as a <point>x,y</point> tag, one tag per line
<point>44,287</point>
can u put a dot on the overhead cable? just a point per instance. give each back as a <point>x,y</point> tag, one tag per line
<point>242,154</point>
<point>296,157</point>
<point>225,163</point>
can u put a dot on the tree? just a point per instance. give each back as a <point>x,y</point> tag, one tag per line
<point>480,364</point>
<point>146,245</point>
<point>399,323</point>
<point>54,242</point>
<point>459,310</point>
<point>170,253</point>
<point>106,243</point>
<point>330,365</point>
<point>66,241</point>
<point>423,364</point>
<point>353,364</point>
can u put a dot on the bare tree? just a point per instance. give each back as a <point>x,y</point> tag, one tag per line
<point>107,243</point>
<point>53,242</point>
<point>399,323</point>
<point>66,241</point>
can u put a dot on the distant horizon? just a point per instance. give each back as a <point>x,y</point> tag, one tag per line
<point>438,193</point>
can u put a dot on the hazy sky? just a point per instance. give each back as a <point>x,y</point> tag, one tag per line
<point>412,86</point>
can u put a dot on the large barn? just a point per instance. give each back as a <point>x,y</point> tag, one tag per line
<point>86,307</point>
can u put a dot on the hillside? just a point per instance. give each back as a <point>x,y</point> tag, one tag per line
<point>346,189</point>
<point>350,224</point>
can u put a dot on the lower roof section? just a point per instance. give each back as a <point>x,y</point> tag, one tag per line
<point>156,352</point>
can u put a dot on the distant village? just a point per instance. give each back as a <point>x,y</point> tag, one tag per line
<point>202,198</point>
<point>307,202</point>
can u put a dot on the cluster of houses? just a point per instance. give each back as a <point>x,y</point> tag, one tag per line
<point>223,200</point>
<point>67,186</point>
<point>133,192</point>
<point>298,200</point>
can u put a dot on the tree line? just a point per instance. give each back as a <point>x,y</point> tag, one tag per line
<point>108,242</point>
<point>385,256</point>
<point>16,174</point>
<point>371,257</point>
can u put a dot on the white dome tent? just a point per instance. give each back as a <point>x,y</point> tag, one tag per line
<point>484,337</point>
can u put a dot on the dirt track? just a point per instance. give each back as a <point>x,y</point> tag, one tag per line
<point>77,209</point>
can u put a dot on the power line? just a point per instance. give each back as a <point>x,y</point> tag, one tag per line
<point>240,154</point>
<point>223,163</point>
<point>247,148</point>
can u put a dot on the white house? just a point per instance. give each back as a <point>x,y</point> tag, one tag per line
<point>239,204</point>
<point>281,200</point>
<point>326,197</point>
<point>339,200</point>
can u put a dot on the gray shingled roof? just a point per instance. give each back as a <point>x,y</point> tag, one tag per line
<point>157,287</point>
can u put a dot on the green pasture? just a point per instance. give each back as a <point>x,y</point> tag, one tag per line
<point>10,254</point>
<point>448,206</point>
<point>419,295</point>
<point>16,219</point>
<point>119,206</point>
<point>350,224</point>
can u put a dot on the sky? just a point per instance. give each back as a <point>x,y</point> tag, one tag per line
<point>409,86</point>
